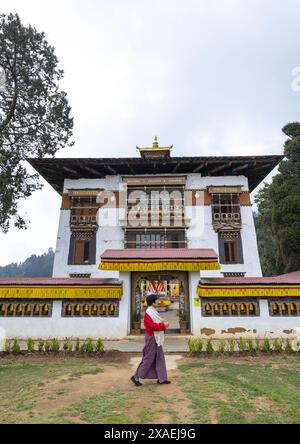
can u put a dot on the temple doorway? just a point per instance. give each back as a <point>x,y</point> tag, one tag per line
<point>173,299</point>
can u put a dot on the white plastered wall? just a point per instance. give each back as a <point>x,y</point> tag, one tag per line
<point>249,327</point>
<point>62,327</point>
<point>110,235</point>
<point>201,234</point>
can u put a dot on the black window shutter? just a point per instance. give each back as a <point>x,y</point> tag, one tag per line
<point>92,258</point>
<point>240,248</point>
<point>221,249</point>
<point>71,250</point>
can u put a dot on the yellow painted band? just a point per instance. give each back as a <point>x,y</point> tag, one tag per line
<point>158,266</point>
<point>279,291</point>
<point>60,293</point>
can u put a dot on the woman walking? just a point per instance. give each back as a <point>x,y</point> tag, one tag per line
<point>153,365</point>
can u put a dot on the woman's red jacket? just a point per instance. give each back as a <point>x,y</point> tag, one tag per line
<point>151,326</point>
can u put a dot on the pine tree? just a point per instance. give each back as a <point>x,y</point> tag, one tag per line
<point>34,113</point>
<point>34,266</point>
<point>278,221</point>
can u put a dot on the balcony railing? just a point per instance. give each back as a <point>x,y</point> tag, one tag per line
<point>226,217</point>
<point>83,220</point>
<point>156,244</point>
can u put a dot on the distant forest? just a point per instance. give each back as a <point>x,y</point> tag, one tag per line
<point>33,266</point>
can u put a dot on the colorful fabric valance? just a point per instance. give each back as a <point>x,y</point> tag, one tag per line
<point>274,286</point>
<point>159,259</point>
<point>61,289</point>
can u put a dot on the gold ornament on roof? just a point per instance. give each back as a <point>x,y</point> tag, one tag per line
<point>155,143</point>
<point>155,150</point>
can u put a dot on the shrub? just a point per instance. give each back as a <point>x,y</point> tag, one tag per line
<point>30,345</point>
<point>195,345</point>
<point>67,346</point>
<point>41,345</point>
<point>77,345</point>
<point>278,346</point>
<point>250,346</point>
<point>221,348</point>
<point>99,346</point>
<point>209,347</point>
<point>266,346</point>
<point>89,346</point>
<point>241,344</point>
<point>199,345</point>
<point>231,345</point>
<point>288,346</point>
<point>192,345</point>
<point>7,346</point>
<point>54,345</point>
<point>82,347</point>
<point>16,349</point>
<point>47,346</point>
<point>257,344</point>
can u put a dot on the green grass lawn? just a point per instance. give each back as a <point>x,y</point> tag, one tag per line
<point>218,389</point>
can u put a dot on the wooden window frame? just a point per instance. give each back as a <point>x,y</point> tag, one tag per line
<point>78,254</point>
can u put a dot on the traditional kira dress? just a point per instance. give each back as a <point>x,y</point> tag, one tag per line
<point>153,365</point>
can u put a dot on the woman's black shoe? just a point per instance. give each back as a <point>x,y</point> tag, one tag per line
<point>165,382</point>
<point>136,383</point>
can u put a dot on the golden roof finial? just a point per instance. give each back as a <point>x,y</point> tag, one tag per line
<point>155,143</point>
<point>155,150</point>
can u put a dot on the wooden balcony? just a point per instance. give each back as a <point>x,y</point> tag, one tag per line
<point>83,222</point>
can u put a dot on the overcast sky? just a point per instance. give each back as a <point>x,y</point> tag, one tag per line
<point>211,77</point>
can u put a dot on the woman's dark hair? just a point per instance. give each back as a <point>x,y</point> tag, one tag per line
<point>151,299</point>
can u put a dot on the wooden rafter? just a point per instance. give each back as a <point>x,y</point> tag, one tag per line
<point>55,170</point>
<point>220,168</point>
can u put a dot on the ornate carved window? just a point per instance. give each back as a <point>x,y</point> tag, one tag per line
<point>166,238</point>
<point>230,307</point>
<point>82,248</point>
<point>155,206</point>
<point>230,247</point>
<point>226,208</point>
<point>84,226</point>
<point>84,212</point>
<point>150,240</point>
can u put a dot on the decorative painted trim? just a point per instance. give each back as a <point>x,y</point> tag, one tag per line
<point>225,189</point>
<point>245,199</point>
<point>65,202</point>
<point>61,292</point>
<point>158,181</point>
<point>159,265</point>
<point>80,275</point>
<point>234,273</point>
<point>85,192</point>
<point>197,198</point>
<point>233,291</point>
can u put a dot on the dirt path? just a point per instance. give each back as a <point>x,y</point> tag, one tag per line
<point>117,378</point>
